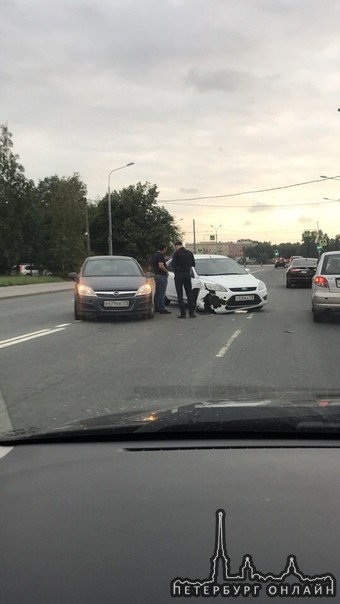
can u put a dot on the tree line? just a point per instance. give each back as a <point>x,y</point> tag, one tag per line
<point>309,247</point>
<point>48,223</point>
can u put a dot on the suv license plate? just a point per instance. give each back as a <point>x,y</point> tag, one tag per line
<point>242,298</point>
<point>116,303</point>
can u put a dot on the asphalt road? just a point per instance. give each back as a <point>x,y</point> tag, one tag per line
<point>54,369</point>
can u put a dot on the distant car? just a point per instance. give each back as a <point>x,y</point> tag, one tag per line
<point>280,262</point>
<point>221,285</point>
<point>112,286</point>
<point>326,286</point>
<point>288,262</point>
<point>25,268</point>
<point>301,271</point>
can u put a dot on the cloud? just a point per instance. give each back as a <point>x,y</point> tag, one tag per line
<point>306,219</point>
<point>247,223</point>
<point>188,191</point>
<point>260,207</point>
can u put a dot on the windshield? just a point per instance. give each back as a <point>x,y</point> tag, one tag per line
<point>218,266</point>
<point>303,262</point>
<point>111,268</point>
<point>132,133</point>
<point>331,265</point>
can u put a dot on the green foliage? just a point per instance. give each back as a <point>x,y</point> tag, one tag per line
<point>138,223</point>
<point>64,223</point>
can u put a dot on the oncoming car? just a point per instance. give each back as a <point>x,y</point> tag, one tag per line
<point>112,285</point>
<point>326,286</point>
<point>221,285</point>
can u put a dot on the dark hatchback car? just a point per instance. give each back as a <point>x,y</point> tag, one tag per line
<point>112,286</point>
<point>301,271</point>
<point>280,262</point>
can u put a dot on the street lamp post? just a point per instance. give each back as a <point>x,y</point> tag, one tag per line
<point>109,204</point>
<point>215,229</point>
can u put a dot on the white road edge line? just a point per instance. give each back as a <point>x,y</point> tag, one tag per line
<point>30,337</point>
<point>33,333</point>
<point>223,350</point>
<point>5,423</point>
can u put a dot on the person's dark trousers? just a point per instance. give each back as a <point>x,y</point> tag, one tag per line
<point>184,280</point>
<point>161,283</point>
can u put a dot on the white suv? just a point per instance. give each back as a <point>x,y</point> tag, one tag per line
<point>25,268</point>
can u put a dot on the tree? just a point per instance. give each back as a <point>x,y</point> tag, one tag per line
<point>138,223</point>
<point>19,208</point>
<point>63,201</point>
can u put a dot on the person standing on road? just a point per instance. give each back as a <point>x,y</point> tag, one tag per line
<point>181,263</point>
<point>161,278</point>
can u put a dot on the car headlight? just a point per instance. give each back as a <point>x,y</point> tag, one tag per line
<point>214,287</point>
<point>85,290</point>
<point>262,285</point>
<point>144,290</point>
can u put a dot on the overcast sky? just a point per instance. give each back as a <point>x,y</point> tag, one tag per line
<point>207,97</point>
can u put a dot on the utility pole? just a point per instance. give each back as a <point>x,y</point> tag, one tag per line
<point>194,233</point>
<point>88,241</point>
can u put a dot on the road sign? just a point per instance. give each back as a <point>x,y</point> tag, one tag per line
<point>276,252</point>
<point>306,234</point>
<point>323,242</point>
<point>212,237</point>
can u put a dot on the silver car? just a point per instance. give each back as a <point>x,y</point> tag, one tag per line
<point>326,285</point>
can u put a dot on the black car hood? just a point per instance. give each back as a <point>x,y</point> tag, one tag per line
<point>114,283</point>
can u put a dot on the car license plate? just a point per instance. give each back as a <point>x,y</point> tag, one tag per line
<point>243,298</point>
<point>337,282</point>
<point>116,303</point>
<point>303,272</point>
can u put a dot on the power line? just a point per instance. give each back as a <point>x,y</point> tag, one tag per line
<point>260,207</point>
<point>298,184</point>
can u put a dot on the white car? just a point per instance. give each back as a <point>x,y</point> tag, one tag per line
<point>326,286</point>
<point>221,285</point>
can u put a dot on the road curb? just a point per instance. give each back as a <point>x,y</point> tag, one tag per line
<point>25,294</point>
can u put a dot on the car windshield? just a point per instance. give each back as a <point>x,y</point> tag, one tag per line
<point>218,266</point>
<point>111,268</point>
<point>135,132</point>
<point>331,265</point>
<point>304,262</point>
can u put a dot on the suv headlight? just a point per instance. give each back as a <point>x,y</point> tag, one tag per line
<point>144,290</point>
<point>262,285</point>
<point>85,290</point>
<point>214,287</point>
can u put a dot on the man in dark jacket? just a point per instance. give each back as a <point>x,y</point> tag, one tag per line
<point>181,263</point>
<point>161,278</point>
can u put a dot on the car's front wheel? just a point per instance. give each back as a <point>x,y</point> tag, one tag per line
<point>317,316</point>
<point>77,315</point>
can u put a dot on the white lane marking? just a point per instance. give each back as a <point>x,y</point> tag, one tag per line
<point>5,420</point>
<point>63,325</point>
<point>33,333</point>
<point>5,450</point>
<point>250,316</point>
<point>32,336</point>
<point>223,350</point>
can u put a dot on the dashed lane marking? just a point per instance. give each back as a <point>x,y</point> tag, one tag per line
<point>223,350</point>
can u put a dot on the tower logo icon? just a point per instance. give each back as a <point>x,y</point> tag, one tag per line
<point>249,581</point>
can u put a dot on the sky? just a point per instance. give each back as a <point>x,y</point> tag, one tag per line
<point>208,98</point>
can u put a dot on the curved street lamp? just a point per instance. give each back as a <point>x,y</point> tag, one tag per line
<point>109,204</point>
